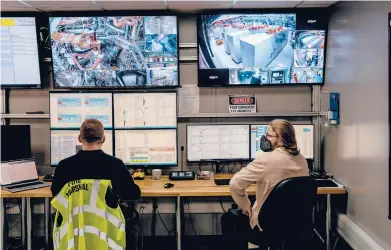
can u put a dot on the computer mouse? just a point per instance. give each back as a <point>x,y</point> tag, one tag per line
<point>168,185</point>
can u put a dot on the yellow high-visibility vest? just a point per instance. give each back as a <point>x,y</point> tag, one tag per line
<point>88,223</point>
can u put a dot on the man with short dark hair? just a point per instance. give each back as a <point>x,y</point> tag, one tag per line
<point>92,163</point>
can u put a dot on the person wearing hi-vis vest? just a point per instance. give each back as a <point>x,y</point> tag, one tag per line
<point>86,189</point>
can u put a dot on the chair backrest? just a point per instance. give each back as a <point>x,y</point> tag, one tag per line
<point>289,206</point>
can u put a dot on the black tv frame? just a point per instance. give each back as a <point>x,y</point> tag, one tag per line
<point>144,91</point>
<point>78,129</point>
<point>218,161</point>
<point>116,13</point>
<point>324,12</point>
<point>38,23</point>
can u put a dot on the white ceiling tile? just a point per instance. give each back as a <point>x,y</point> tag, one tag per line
<point>132,5</point>
<point>313,6</point>
<point>265,4</point>
<point>15,6</point>
<point>316,2</point>
<point>197,5</point>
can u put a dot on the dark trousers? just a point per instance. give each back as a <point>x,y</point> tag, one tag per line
<point>237,232</point>
<point>132,219</point>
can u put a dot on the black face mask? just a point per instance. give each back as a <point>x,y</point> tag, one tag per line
<point>266,145</point>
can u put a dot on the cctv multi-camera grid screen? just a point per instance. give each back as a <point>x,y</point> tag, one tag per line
<point>114,51</point>
<point>19,53</point>
<point>261,49</point>
<point>237,142</point>
<point>140,128</point>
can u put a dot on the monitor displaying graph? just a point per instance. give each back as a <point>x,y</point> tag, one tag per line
<point>145,110</point>
<point>65,143</point>
<point>217,143</point>
<point>304,137</point>
<point>68,110</point>
<point>147,147</point>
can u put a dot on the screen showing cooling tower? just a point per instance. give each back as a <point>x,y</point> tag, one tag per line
<point>114,51</point>
<point>259,49</point>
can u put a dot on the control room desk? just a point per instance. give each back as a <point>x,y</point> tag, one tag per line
<point>149,188</point>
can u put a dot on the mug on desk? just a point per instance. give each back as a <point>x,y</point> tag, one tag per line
<point>156,174</point>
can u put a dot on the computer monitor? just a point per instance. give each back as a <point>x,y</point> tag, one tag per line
<point>218,143</point>
<point>114,51</point>
<point>145,110</point>
<point>256,48</point>
<point>65,143</point>
<point>147,147</point>
<point>304,137</point>
<point>15,142</point>
<point>68,109</point>
<point>19,52</point>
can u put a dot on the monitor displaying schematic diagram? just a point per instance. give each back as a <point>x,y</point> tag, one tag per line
<point>304,137</point>
<point>65,143</point>
<point>114,51</point>
<point>147,147</point>
<point>68,109</point>
<point>145,110</point>
<point>218,143</point>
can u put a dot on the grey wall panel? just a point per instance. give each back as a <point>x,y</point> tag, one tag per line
<point>356,153</point>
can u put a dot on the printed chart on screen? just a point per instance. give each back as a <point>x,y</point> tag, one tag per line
<point>144,111</point>
<point>217,142</point>
<point>65,143</point>
<point>19,52</point>
<point>69,110</point>
<point>146,147</point>
<point>304,137</point>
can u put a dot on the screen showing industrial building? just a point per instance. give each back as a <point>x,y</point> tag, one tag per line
<point>114,51</point>
<point>258,49</point>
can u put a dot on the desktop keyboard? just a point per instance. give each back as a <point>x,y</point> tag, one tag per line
<point>222,182</point>
<point>27,186</point>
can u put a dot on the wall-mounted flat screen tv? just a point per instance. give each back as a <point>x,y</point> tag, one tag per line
<point>253,49</point>
<point>114,51</point>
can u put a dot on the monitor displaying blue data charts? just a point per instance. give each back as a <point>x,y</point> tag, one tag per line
<point>145,110</point>
<point>19,53</point>
<point>218,143</point>
<point>65,143</point>
<point>68,109</point>
<point>304,137</point>
<point>147,147</point>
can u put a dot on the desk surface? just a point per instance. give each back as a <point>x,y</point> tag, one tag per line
<point>155,188</point>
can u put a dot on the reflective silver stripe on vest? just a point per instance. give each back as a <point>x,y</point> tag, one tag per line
<point>101,213</point>
<point>61,199</point>
<point>94,192</point>
<point>101,235</point>
<point>71,243</point>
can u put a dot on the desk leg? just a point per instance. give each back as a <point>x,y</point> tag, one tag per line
<point>2,218</point>
<point>47,220</point>
<point>328,221</point>
<point>178,223</point>
<point>23,222</point>
<point>154,209</point>
<point>29,223</point>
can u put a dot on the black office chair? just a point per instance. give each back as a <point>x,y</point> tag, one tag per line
<point>286,215</point>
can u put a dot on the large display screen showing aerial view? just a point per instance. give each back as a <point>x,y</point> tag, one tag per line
<point>114,51</point>
<point>258,49</point>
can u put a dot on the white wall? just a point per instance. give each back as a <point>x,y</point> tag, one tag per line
<point>356,153</point>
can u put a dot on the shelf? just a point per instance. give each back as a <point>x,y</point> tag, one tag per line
<point>24,116</point>
<point>184,116</point>
<point>237,115</point>
<point>187,45</point>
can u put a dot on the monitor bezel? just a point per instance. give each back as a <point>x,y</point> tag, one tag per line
<point>302,11</point>
<point>218,160</point>
<point>38,23</point>
<point>144,91</point>
<point>293,124</point>
<point>111,13</point>
<point>76,129</point>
